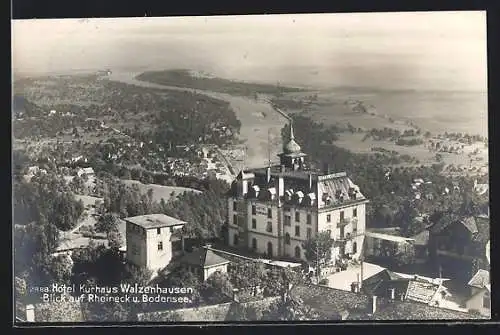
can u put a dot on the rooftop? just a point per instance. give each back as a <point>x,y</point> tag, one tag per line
<point>480,279</point>
<point>332,302</point>
<point>421,291</point>
<point>388,237</point>
<point>154,221</point>
<point>214,313</point>
<point>203,257</point>
<point>278,170</point>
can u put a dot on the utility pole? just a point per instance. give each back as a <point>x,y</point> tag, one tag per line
<point>318,269</point>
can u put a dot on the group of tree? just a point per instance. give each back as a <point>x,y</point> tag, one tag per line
<point>46,196</point>
<point>409,142</point>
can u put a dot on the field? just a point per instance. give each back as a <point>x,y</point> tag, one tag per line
<point>160,191</point>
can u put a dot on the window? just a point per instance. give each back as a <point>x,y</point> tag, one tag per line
<point>254,224</point>
<point>288,220</point>
<point>308,218</point>
<point>355,213</point>
<point>269,227</point>
<point>269,213</point>
<point>158,231</point>
<point>254,210</point>
<point>297,230</point>
<point>287,239</point>
<point>235,220</point>
<point>487,300</point>
<point>160,246</point>
<point>297,216</point>
<point>297,252</point>
<point>309,233</point>
<point>236,238</point>
<point>329,218</point>
<point>254,244</point>
<point>354,247</point>
<point>270,249</point>
<point>235,206</point>
<point>341,216</point>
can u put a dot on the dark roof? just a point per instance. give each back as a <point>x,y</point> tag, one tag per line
<point>329,302</point>
<point>214,313</point>
<point>480,279</point>
<point>203,257</point>
<point>399,310</point>
<point>449,219</point>
<point>332,301</point>
<point>154,221</point>
<point>372,285</point>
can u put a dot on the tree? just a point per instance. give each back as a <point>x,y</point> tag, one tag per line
<point>289,309</point>
<point>107,223</point>
<point>248,276</point>
<point>318,250</point>
<point>217,288</point>
<point>134,274</point>
<point>60,269</point>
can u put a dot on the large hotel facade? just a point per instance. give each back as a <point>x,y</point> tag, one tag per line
<point>273,210</point>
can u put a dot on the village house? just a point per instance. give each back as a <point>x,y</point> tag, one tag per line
<point>273,210</point>
<point>327,303</point>
<point>455,243</point>
<point>153,240</point>
<point>203,262</point>
<point>480,294</point>
<point>403,287</point>
<point>85,172</point>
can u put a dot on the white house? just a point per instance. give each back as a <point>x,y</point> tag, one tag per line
<point>480,297</point>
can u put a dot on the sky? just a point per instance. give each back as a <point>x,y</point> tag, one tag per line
<point>419,50</point>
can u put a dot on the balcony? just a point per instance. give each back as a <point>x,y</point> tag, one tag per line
<point>346,221</point>
<point>347,237</point>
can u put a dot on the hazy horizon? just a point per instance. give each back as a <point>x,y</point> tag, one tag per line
<point>419,50</point>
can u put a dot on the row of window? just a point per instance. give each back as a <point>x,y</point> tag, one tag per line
<point>297,214</point>
<point>342,215</point>
<point>287,241</point>
<point>270,247</point>
<point>269,228</point>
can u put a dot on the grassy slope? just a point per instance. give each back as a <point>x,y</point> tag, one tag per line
<point>160,191</point>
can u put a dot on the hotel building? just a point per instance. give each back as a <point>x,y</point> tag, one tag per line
<point>273,210</point>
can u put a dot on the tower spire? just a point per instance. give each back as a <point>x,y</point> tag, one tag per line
<point>292,137</point>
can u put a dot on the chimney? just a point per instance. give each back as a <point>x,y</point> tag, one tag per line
<point>268,174</point>
<point>393,293</point>
<point>30,313</point>
<point>374,304</point>
<point>244,185</point>
<point>236,297</point>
